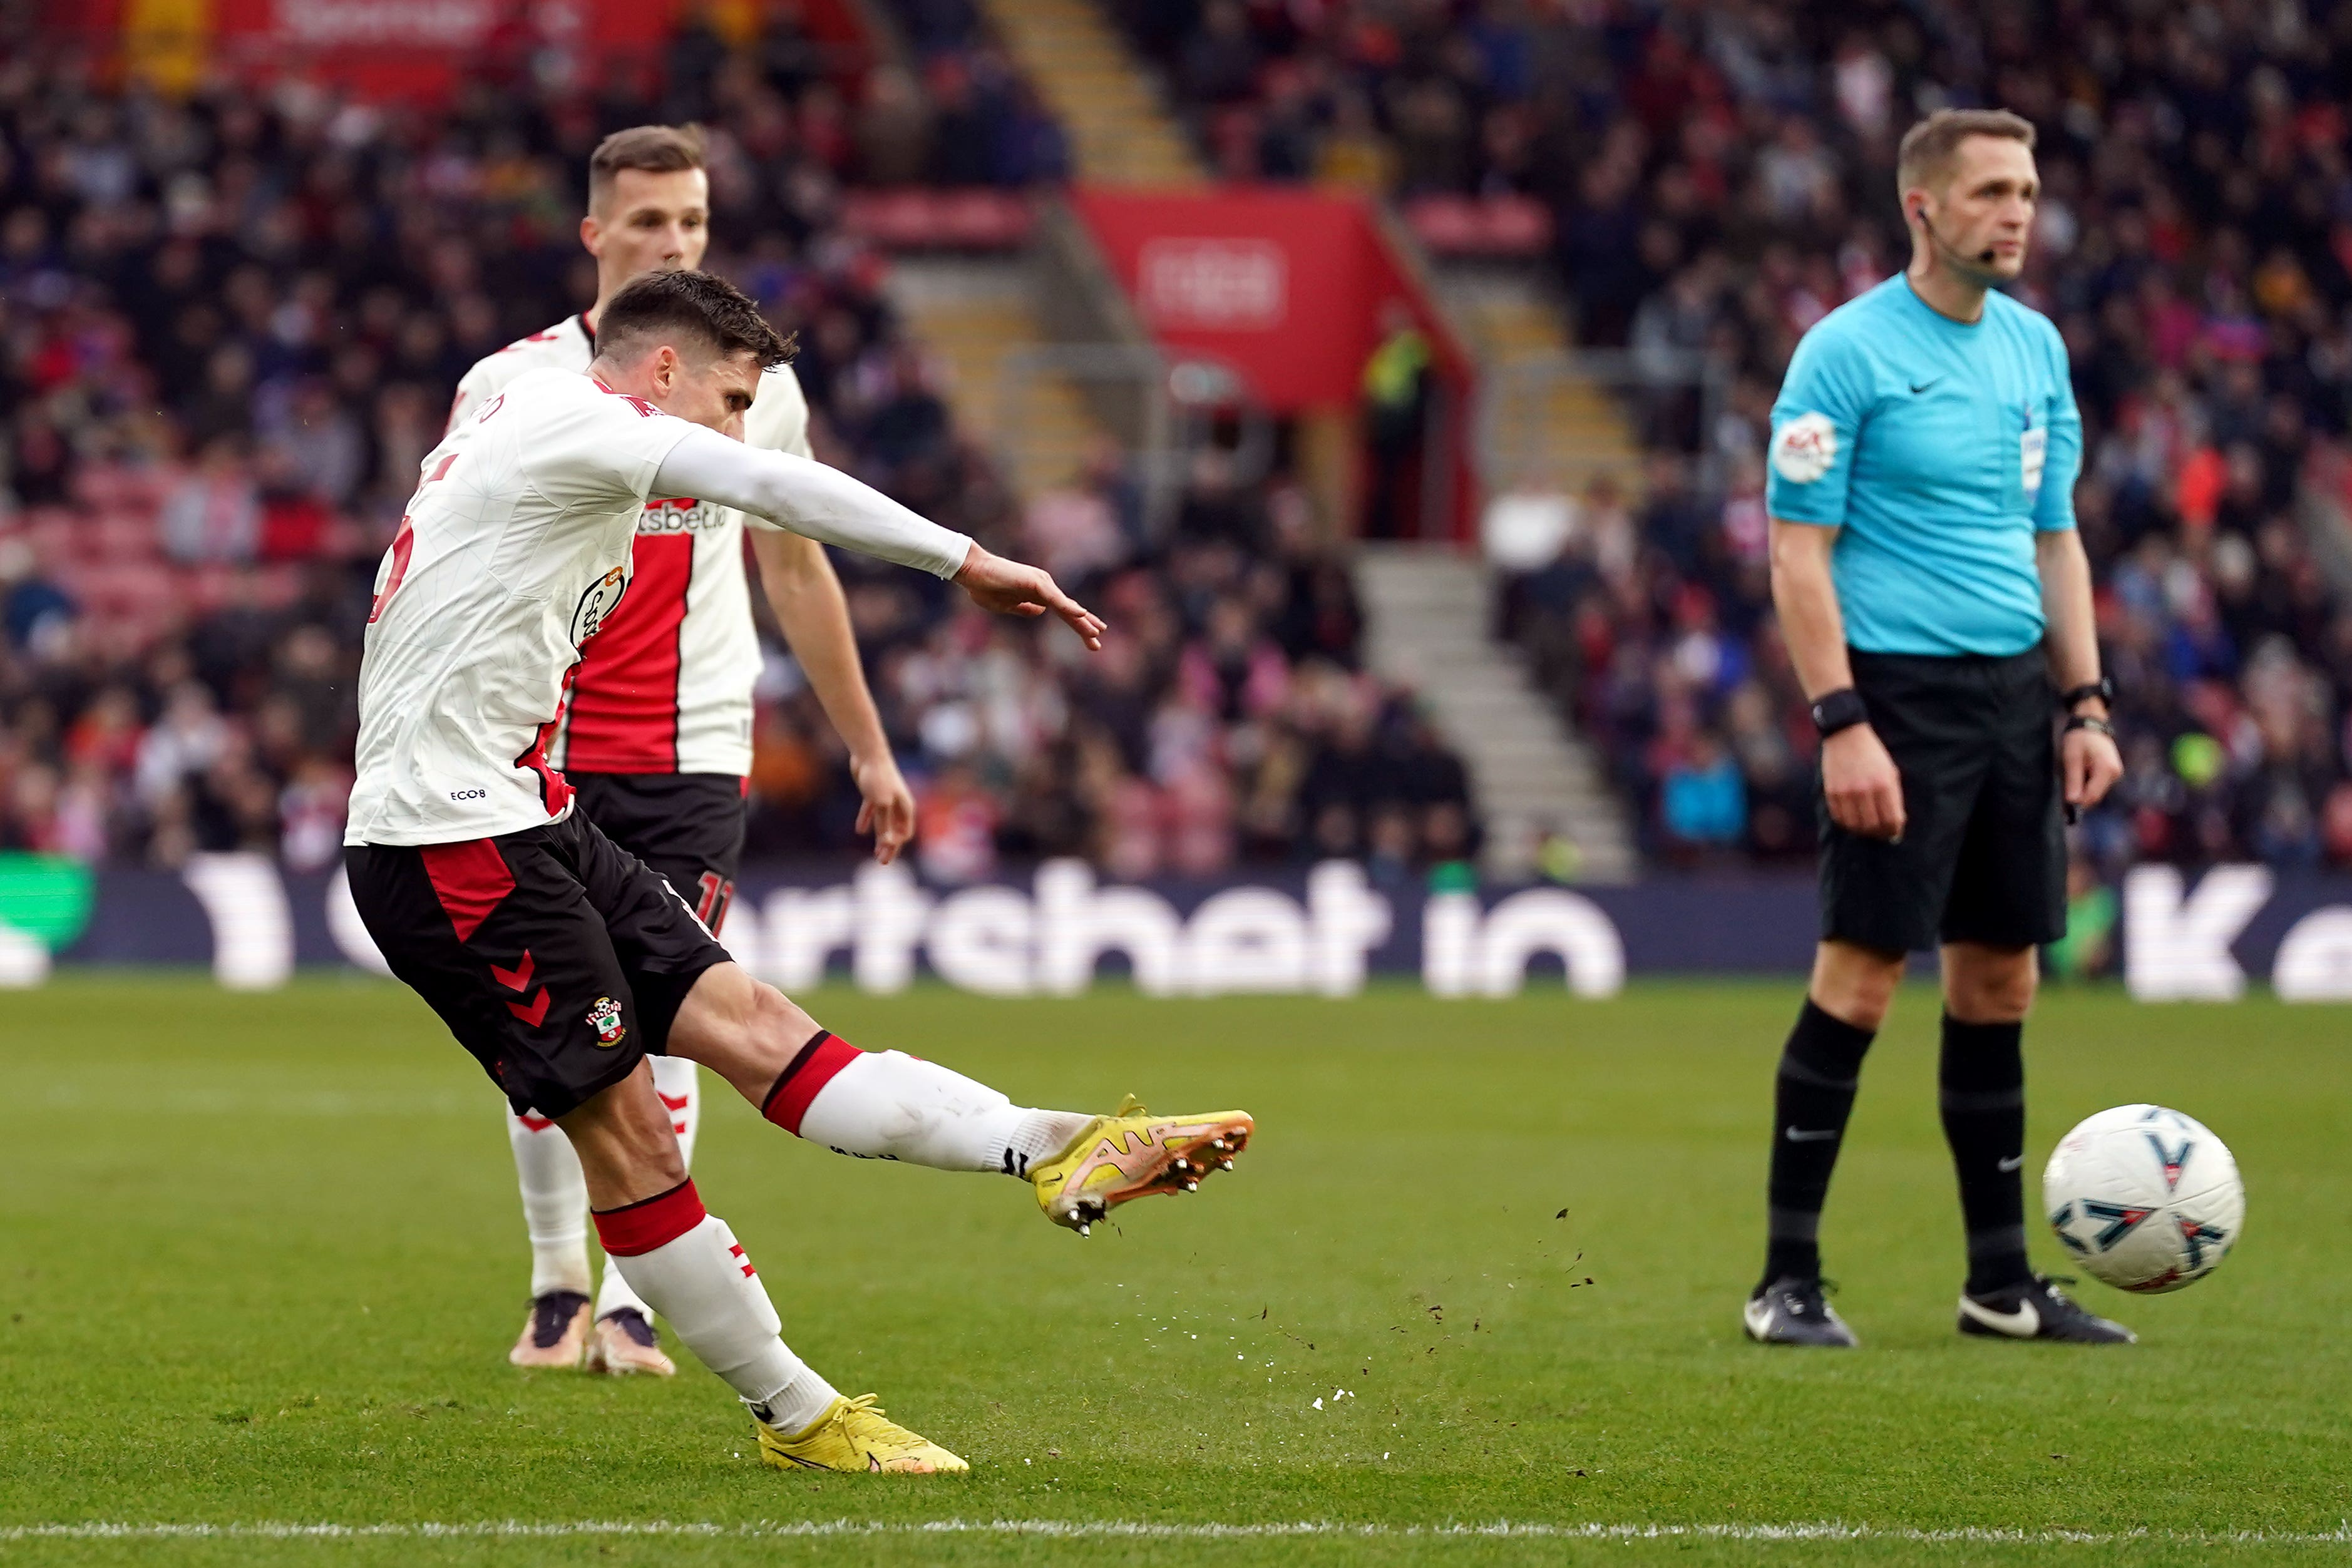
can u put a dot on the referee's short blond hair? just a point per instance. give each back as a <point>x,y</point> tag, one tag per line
<point>1925,154</point>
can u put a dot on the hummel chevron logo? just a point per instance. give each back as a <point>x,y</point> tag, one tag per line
<point>1800,1135</point>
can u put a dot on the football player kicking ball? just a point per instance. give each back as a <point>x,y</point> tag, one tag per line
<point>561,961</point>
<point>656,738</point>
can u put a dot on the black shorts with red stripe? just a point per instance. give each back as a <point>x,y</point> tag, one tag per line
<point>687,826</point>
<point>555,957</point>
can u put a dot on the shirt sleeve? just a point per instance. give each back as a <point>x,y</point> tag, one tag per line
<point>470,392</point>
<point>798,494</point>
<point>589,447</point>
<point>1816,422</point>
<point>2062,463</point>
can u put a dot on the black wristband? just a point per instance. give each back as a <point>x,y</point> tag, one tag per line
<point>2103,688</point>
<point>1837,710</point>
<point>2075,721</point>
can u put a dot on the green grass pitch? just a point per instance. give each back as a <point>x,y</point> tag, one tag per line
<point>260,1261</point>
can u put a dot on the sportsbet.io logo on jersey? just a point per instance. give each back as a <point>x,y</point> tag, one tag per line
<point>603,597</point>
<point>1804,449</point>
<point>680,515</point>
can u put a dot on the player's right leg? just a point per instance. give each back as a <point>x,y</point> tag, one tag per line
<point>686,1264</point>
<point>501,937</point>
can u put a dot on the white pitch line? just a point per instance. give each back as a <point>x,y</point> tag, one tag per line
<point>1080,1529</point>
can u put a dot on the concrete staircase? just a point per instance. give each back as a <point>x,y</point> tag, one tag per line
<point>1120,132</point>
<point>976,315</point>
<point>1426,615</point>
<point>1541,421</point>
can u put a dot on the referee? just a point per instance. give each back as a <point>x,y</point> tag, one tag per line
<point>1936,603</point>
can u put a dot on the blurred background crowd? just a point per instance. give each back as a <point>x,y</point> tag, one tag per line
<point>230,326</point>
<point>1720,176</point>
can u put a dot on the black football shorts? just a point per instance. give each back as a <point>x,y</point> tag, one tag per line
<point>687,826</point>
<point>556,958</point>
<point>1983,852</point>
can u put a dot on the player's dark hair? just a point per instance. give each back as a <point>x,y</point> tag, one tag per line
<point>692,307</point>
<point>1927,147</point>
<point>655,149</point>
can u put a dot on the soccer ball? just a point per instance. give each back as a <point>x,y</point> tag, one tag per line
<point>2145,1198</point>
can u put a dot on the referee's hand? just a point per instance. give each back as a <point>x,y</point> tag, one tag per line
<point>2088,767</point>
<point>1864,791</point>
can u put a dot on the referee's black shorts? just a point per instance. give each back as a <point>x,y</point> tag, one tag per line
<point>1983,852</point>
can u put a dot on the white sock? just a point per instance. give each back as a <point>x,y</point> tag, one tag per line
<point>678,1082</point>
<point>690,1266</point>
<point>554,1203</point>
<point>885,1104</point>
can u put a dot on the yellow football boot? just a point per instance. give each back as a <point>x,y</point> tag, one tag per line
<point>854,1435</point>
<point>1132,1154</point>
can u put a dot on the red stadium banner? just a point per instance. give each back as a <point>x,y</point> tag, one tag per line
<point>1286,286</point>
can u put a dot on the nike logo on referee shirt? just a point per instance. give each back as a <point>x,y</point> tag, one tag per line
<point>1918,387</point>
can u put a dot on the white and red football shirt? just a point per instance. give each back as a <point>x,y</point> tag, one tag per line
<point>513,555</point>
<point>667,686</point>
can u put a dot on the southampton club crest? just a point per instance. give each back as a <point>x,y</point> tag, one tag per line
<point>605,1018</point>
<point>603,597</point>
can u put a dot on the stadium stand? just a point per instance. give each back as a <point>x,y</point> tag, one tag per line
<point>1703,182</point>
<point>229,328</point>
<point>1712,179</point>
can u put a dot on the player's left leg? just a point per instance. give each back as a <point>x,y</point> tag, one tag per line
<point>889,1105</point>
<point>877,1104</point>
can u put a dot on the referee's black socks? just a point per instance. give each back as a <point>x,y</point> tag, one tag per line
<point>1820,1068</point>
<point>1983,1079</point>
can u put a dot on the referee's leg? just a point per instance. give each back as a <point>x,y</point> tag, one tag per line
<point>1813,1095</point>
<point>1988,991</point>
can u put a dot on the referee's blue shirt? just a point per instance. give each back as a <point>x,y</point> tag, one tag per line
<point>1939,448</point>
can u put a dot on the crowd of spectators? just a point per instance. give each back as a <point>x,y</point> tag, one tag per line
<point>230,327</point>
<point>1719,177</point>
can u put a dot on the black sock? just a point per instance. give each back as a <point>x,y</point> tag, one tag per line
<point>1819,1067</point>
<point>1983,1083</point>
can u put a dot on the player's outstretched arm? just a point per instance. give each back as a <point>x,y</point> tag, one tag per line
<point>778,490</point>
<point>805,496</point>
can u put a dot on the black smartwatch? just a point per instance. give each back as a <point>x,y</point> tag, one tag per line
<point>1837,710</point>
<point>2103,688</point>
